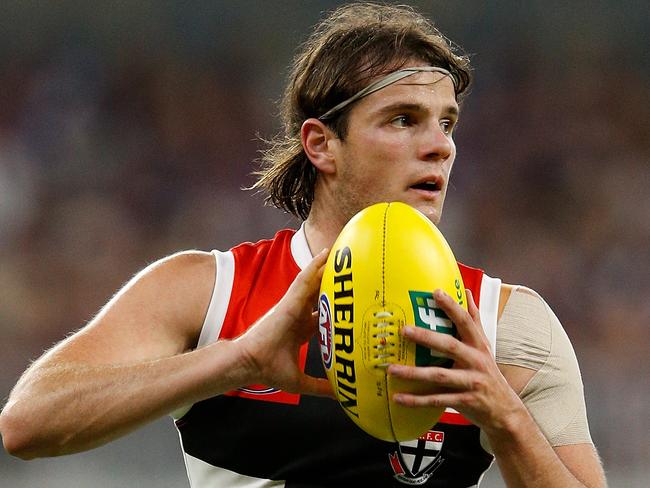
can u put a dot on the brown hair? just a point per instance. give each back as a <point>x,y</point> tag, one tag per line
<point>349,48</point>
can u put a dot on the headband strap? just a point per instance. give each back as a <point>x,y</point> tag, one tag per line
<point>389,79</point>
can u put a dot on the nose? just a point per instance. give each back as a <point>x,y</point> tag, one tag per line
<point>436,145</point>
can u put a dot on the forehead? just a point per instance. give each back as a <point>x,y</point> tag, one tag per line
<point>432,90</point>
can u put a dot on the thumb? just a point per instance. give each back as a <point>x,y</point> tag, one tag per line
<point>306,285</point>
<point>317,387</point>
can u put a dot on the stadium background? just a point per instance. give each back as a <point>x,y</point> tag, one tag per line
<point>128,128</point>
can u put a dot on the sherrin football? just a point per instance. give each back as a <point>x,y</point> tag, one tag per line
<point>380,275</point>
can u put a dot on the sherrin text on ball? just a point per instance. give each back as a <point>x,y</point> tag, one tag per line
<point>380,275</point>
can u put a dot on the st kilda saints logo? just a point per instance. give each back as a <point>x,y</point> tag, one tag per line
<point>415,461</point>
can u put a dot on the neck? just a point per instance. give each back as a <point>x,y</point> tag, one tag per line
<point>322,228</point>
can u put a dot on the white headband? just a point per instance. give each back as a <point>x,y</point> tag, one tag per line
<point>389,79</point>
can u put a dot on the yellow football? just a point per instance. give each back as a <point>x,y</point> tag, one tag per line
<point>380,275</point>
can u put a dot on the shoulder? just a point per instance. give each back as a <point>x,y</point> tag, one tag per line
<point>178,271</point>
<point>529,334</point>
<point>523,336</point>
<point>184,262</point>
<point>175,291</point>
<point>524,314</point>
<point>183,269</point>
<point>514,293</point>
<point>159,312</point>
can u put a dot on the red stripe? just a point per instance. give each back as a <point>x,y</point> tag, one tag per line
<point>454,419</point>
<point>395,464</point>
<point>472,278</point>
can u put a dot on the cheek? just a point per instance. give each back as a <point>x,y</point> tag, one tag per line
<point>452,157</point>
<point>383,142</point>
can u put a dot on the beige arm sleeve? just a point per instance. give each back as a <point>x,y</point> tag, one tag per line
<point>531,336</point>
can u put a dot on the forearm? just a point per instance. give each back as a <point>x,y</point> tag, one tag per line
<point>525,457</point>
<point>62,407</point>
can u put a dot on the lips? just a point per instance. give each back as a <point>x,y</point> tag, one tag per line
<point>429,184</point>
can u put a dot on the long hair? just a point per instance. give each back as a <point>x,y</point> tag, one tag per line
<point>348,49</point>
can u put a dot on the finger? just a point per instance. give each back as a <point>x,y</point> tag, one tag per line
<point>455,379</point>
<point>319,260</point>
<point>306,285</point>
<point>467,327</point>
<point>441,344</point>
<point>476,317</point>
<point>315,321</point>
<point>455,400</point>
<point>471,305</point>
<point>313,272</point>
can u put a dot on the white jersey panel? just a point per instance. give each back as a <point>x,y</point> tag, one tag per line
<point>489,309</point>
<point>220,298</point>
<point>300,248</point>
<point>217,309</point>
<point>202,474</point>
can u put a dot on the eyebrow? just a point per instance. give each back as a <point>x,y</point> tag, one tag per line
<point>414,107</point>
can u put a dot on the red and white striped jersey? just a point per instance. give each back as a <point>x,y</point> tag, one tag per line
<point>259,436</point>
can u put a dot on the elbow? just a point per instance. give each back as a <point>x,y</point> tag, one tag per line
<point>18,450</point>
<point>17,439</point>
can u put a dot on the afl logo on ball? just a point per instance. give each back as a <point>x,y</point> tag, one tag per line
<point>325,330</point>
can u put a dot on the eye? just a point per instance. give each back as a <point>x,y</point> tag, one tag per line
<point>447,125</point>
<point>402,121</point>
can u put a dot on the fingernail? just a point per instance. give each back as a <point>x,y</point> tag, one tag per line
<point>395,369</point>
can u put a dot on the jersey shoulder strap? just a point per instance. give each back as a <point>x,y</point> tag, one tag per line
<point>486,292</point>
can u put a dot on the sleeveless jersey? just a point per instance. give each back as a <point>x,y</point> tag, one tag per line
<point>259,436</point>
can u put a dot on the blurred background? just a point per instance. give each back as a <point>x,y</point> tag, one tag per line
<point>128,129</point>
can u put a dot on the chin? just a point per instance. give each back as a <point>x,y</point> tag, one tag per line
<point>433,213</point>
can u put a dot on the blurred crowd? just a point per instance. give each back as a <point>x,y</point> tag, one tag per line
<point>112,156</point>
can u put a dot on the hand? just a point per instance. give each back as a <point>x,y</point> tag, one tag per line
<point>271,346</point>
<point>474,385</point>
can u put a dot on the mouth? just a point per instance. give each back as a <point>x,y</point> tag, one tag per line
<point>429,187</point>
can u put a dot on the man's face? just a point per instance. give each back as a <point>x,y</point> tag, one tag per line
<point>398,147</point>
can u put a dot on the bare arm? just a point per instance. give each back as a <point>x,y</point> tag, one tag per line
<point>133,364</point>
<point>526,459</point>
<point>124,369</point>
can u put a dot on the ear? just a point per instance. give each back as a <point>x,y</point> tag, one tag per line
<point>316,140</point>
